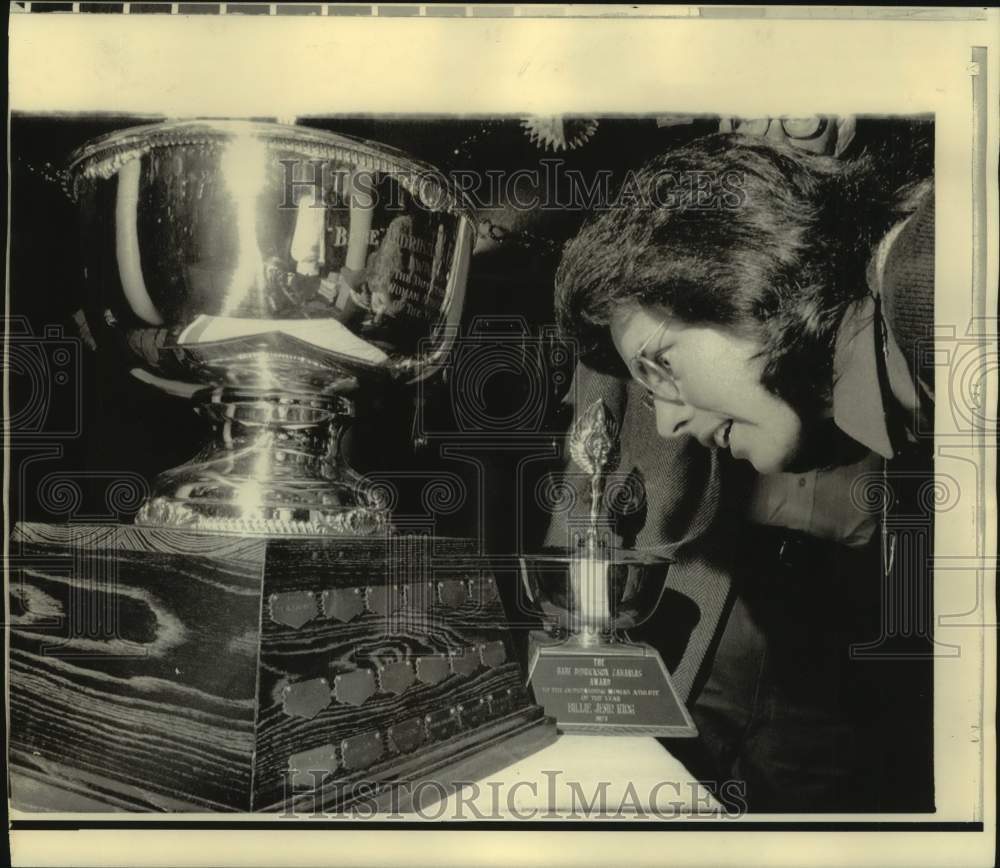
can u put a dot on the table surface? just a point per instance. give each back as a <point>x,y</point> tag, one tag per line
<point>577,777</point>
<point>585,777</point>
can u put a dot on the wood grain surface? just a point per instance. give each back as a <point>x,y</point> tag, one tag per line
<point>135,664</point>
<point>419,606</point>
<point>166,670</point>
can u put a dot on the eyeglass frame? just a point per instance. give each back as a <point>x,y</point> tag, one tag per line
<point>636,370</point>
<point>822,125</point>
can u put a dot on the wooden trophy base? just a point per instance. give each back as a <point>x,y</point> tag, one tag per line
<point>156,669</point>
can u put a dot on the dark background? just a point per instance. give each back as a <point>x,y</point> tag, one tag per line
<point>86,421</point>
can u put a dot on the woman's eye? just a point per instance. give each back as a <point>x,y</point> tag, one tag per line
<point>663,363</point>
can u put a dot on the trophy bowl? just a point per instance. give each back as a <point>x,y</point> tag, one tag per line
<point>268,273</point>
<point>588,599</point>
<point>585,673</point>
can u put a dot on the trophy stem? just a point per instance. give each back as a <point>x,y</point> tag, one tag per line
<point>590,611</point>
<point>273,466</point>
<point>587,639</point>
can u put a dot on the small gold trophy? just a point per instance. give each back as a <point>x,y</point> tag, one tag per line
<point>587,677</point>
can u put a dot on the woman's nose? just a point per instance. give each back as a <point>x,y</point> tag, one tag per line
<point>672,419</point>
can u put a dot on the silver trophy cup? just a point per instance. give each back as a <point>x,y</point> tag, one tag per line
<point>586,671</point>
<point>587,599</point>
<point>268,273</point>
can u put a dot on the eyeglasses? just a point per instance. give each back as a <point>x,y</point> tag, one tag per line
<point>654,374</point>
<point>794,128</point>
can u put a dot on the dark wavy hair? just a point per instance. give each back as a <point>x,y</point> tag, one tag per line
<point>738,232</point>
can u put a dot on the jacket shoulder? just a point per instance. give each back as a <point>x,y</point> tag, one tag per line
<point>908,286</point>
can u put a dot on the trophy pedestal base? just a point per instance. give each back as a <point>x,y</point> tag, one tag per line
<point>608,689</point>
<point>272,468</point>
<point>39,785</point>
<point>160,669</point>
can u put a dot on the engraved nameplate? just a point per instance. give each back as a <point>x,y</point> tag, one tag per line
<point>353,688</point>
<point>493,654</point>
<point>464,662</point>
<point>309,767</point>
<point>396,677</point>
<point>306,698</point>
<point>442,724</point>
<point>293,608</point>
<point>432,670</point>
<point>474,712</point>
<point>383,599</point>
<point>501,703</point>
<point>408,735</point>
<point>452,593</point>
<point>486,590</point>
<point>361,751</point>
<point>343,604</point>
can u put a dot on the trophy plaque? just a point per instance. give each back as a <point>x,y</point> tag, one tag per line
<point>583,672</point>
<point>262,638</point>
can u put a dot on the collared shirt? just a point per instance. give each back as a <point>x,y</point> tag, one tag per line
<point>827,503</point>
<point>831,503</point>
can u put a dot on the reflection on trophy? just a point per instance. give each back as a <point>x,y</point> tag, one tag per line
<point>302,654</point>
<point>269,273</point>
<point>586,676</point>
